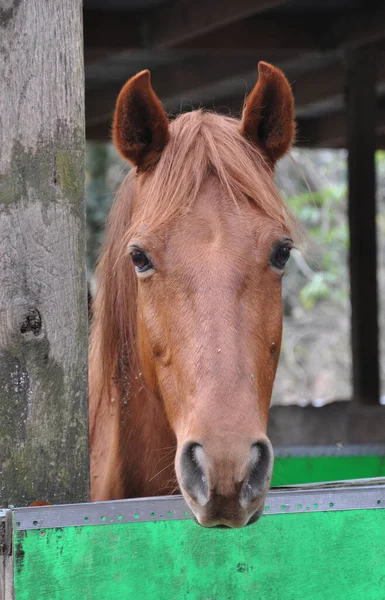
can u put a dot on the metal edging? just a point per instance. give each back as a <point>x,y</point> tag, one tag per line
<point>331,450</point>
<point>353,495</point>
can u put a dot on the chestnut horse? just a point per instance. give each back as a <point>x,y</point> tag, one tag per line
<point>188,315</point>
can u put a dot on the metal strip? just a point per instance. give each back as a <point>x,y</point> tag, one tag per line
<point>296,499</point>
<point>329,451</point>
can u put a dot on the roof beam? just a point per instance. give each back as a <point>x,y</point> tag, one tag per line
<point>112,31</point>
<point>173,83</point>
<point>181,24</point>
<point>107,34</point>
<point>236,26</point>
<point>198,79</point>
<point>363,26</point>
<point>313,91</point>
<point>267,31</point>
<point>331,131</point>
<point>316,91</point>
<point>245,24</point>
<point>324,132</point>
<point>119,31</point>
<point>178,22</point>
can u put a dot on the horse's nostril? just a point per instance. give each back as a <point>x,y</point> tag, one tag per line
<point>259,474</point>
<point>193,476</point>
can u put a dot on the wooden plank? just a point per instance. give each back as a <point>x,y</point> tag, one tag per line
<point>361,143</point>
<point>188,29</point>
<point>309,30</point>
<point>175,559</point>
<point>268,32</point>
<point>176,82</point>
<point>197,81</point>
<point>109,31</point>
<point>323,132</point>
<point>43,296</point>
<point>363,26</point>
<point>325,85</point>
<point>170,80</point>
<point>123,30</point>
<point>247,25</point>
<point>315,90</point>
<point>177,22</point>
<point>334,424</point>
<point>329,131</point>
<point>197,78</point>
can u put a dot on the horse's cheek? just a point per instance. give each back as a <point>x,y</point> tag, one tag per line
<point>168,388</point>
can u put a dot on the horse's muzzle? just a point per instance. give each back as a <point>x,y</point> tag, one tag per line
<point>225,490</point>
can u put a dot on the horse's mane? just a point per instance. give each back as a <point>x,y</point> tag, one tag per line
<point>201,144</point>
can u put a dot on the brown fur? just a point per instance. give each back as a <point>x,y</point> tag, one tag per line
<point>186,353</point>
<point>140,129</point>
<point>268,117</point>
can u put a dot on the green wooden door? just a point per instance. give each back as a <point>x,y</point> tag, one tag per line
<point>324,544</point>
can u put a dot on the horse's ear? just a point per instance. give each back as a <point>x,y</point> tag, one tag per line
<point>268,114</point>
<point>140,128</point>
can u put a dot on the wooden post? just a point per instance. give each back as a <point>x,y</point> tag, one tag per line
<point>361,142</point>
<point>43,306</point>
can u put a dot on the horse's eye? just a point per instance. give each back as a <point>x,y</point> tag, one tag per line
<point>280,256</point>
<point>141,261</point>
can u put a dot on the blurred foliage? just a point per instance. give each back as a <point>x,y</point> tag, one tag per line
<point>322,216</point>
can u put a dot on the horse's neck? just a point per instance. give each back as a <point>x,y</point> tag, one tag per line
<point>132,447</point>
<point>146,446</point>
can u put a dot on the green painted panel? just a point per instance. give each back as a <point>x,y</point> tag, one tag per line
<point>311,469</point>
<point>317,556</point>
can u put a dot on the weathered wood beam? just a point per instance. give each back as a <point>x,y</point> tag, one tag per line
<point>315,91</point>
<point>177,81</point>
<point>304,31</point>
<point>196,80</point>
<point>246,24</point>
<point>95,54</point>
<point>177,22</point>
<point>323,132</point>
<point>119,31</point>
<point>43,294</point>
<point>330,131</point>
<point>269,32</point>
<point>112,31</point>
<point>363,26</point>
<point>317,88</point>
<point>99,132</point>
<point>339,422</point>
<point>361,143</point>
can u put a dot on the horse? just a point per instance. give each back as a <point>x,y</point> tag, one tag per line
<point>187,320</point>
